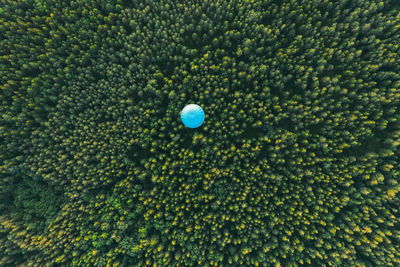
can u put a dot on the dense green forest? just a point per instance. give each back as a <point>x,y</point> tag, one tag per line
<point>296,163</point>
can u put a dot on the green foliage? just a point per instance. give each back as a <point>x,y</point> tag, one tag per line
<point>40,5</point>
<point>297,162</point>
<point>36,203</point>
<point>30,200</point>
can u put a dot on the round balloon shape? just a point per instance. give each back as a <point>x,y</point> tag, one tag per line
<point>192,116</point>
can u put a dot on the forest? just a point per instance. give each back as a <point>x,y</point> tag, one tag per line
<point>296,163</point>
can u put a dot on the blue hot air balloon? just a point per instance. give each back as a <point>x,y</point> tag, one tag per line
<point>192,116</point>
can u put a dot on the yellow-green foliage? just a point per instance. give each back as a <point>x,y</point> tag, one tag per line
<point>297,162</point>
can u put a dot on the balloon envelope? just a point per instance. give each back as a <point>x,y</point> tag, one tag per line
<point>192,116</point>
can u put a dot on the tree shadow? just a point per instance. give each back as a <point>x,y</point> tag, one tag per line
<point>370,144</point>
<point>137,154</point>
<point>250,132</point>
<point>287,124</point>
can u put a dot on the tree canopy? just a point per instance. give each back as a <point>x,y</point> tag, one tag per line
<point>296,164</point>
